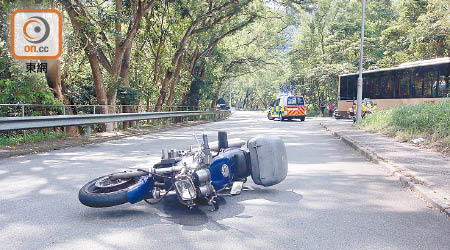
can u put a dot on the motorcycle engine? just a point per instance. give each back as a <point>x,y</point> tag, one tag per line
<point>202,180</point>
<point>193,180</point>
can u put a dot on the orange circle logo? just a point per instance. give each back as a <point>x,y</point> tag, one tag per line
<point>36,29</point>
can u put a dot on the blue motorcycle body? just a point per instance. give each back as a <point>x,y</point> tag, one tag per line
<point>194,175</point>
<point>226,167</point>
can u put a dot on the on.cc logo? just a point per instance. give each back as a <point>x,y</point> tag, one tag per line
<point>36,34</point>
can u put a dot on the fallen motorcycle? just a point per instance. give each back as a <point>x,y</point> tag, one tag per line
<point>196,176</point>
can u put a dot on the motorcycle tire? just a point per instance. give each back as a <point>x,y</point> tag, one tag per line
<point>90,195</point>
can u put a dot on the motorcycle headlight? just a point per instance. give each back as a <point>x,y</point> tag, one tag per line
<point>185,189</point>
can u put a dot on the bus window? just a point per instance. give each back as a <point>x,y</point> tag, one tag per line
<point>404,84</point>
<point>343,88</point>
<point>379,87</point>
<point>367,92</point>
<point>372,86</point>
<point>428,83</point>
<point>394,77</point>
<point>389,90</point>
<point>435,89</point>
<point>352,85</point>
<point>443,86</point>
<point>418,85</point>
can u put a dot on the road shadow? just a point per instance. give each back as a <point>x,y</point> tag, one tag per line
<point>200,216</point>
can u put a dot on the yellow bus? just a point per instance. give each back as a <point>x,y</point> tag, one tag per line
<point>408,83</point>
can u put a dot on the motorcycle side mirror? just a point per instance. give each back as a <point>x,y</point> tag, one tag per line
<point>165,154</point>
<point>206,150</point>
<point>205,141</point>
<point>223,140</point>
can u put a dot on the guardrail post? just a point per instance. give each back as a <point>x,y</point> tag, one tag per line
<point>88,131</point>
<point>137,124</point>
<point>64,113</point>
<point>94,109</point>
<point>23,114</point>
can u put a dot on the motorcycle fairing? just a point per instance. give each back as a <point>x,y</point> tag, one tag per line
<point>140,190</point>
<point>240,161</point>
<point>221,172</point>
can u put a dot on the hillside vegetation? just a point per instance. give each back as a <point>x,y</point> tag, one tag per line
<point>430,121</point>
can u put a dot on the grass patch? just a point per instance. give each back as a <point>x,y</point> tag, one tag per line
<point>430,121</point>
<point>29,136</point>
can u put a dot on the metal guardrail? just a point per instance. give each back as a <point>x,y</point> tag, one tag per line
<point>18,123</point>
<point>27,109</point>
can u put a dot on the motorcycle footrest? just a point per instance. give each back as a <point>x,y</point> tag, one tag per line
<point>236,188</point>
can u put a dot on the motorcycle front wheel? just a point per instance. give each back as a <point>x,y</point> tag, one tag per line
<point>103,192</point>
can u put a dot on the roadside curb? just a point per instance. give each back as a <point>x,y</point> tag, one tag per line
<point>415,184</point>
<point>82,142</point>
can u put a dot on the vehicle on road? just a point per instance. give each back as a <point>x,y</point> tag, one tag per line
<point>408,83</point>
<point>288,107</point>
<point>221,104</point>
<point>196,176</point>
<point>222,107</point>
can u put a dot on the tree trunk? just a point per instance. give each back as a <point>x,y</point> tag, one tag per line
<point>93,62</point>
<point>55,83</point>
<point>53,77</point>
<point>100,91</point>
<point>163,91</point>
<point>124,74</point>
<point>174,82</point>
<point>93,52</point>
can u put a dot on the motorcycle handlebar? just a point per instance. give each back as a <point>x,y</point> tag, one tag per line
<point>127,175</point>
<point>140,172</point>
<point>166,170</point>
<point>214,146</point>
<point>235,143</point>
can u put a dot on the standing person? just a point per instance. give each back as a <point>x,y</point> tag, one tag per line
<point>322,108</point>
<point>330,107</point>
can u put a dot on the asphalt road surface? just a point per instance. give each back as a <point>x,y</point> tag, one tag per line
<point>332,199</point>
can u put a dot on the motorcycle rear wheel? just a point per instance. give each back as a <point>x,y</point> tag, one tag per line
<point>92,194</point>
